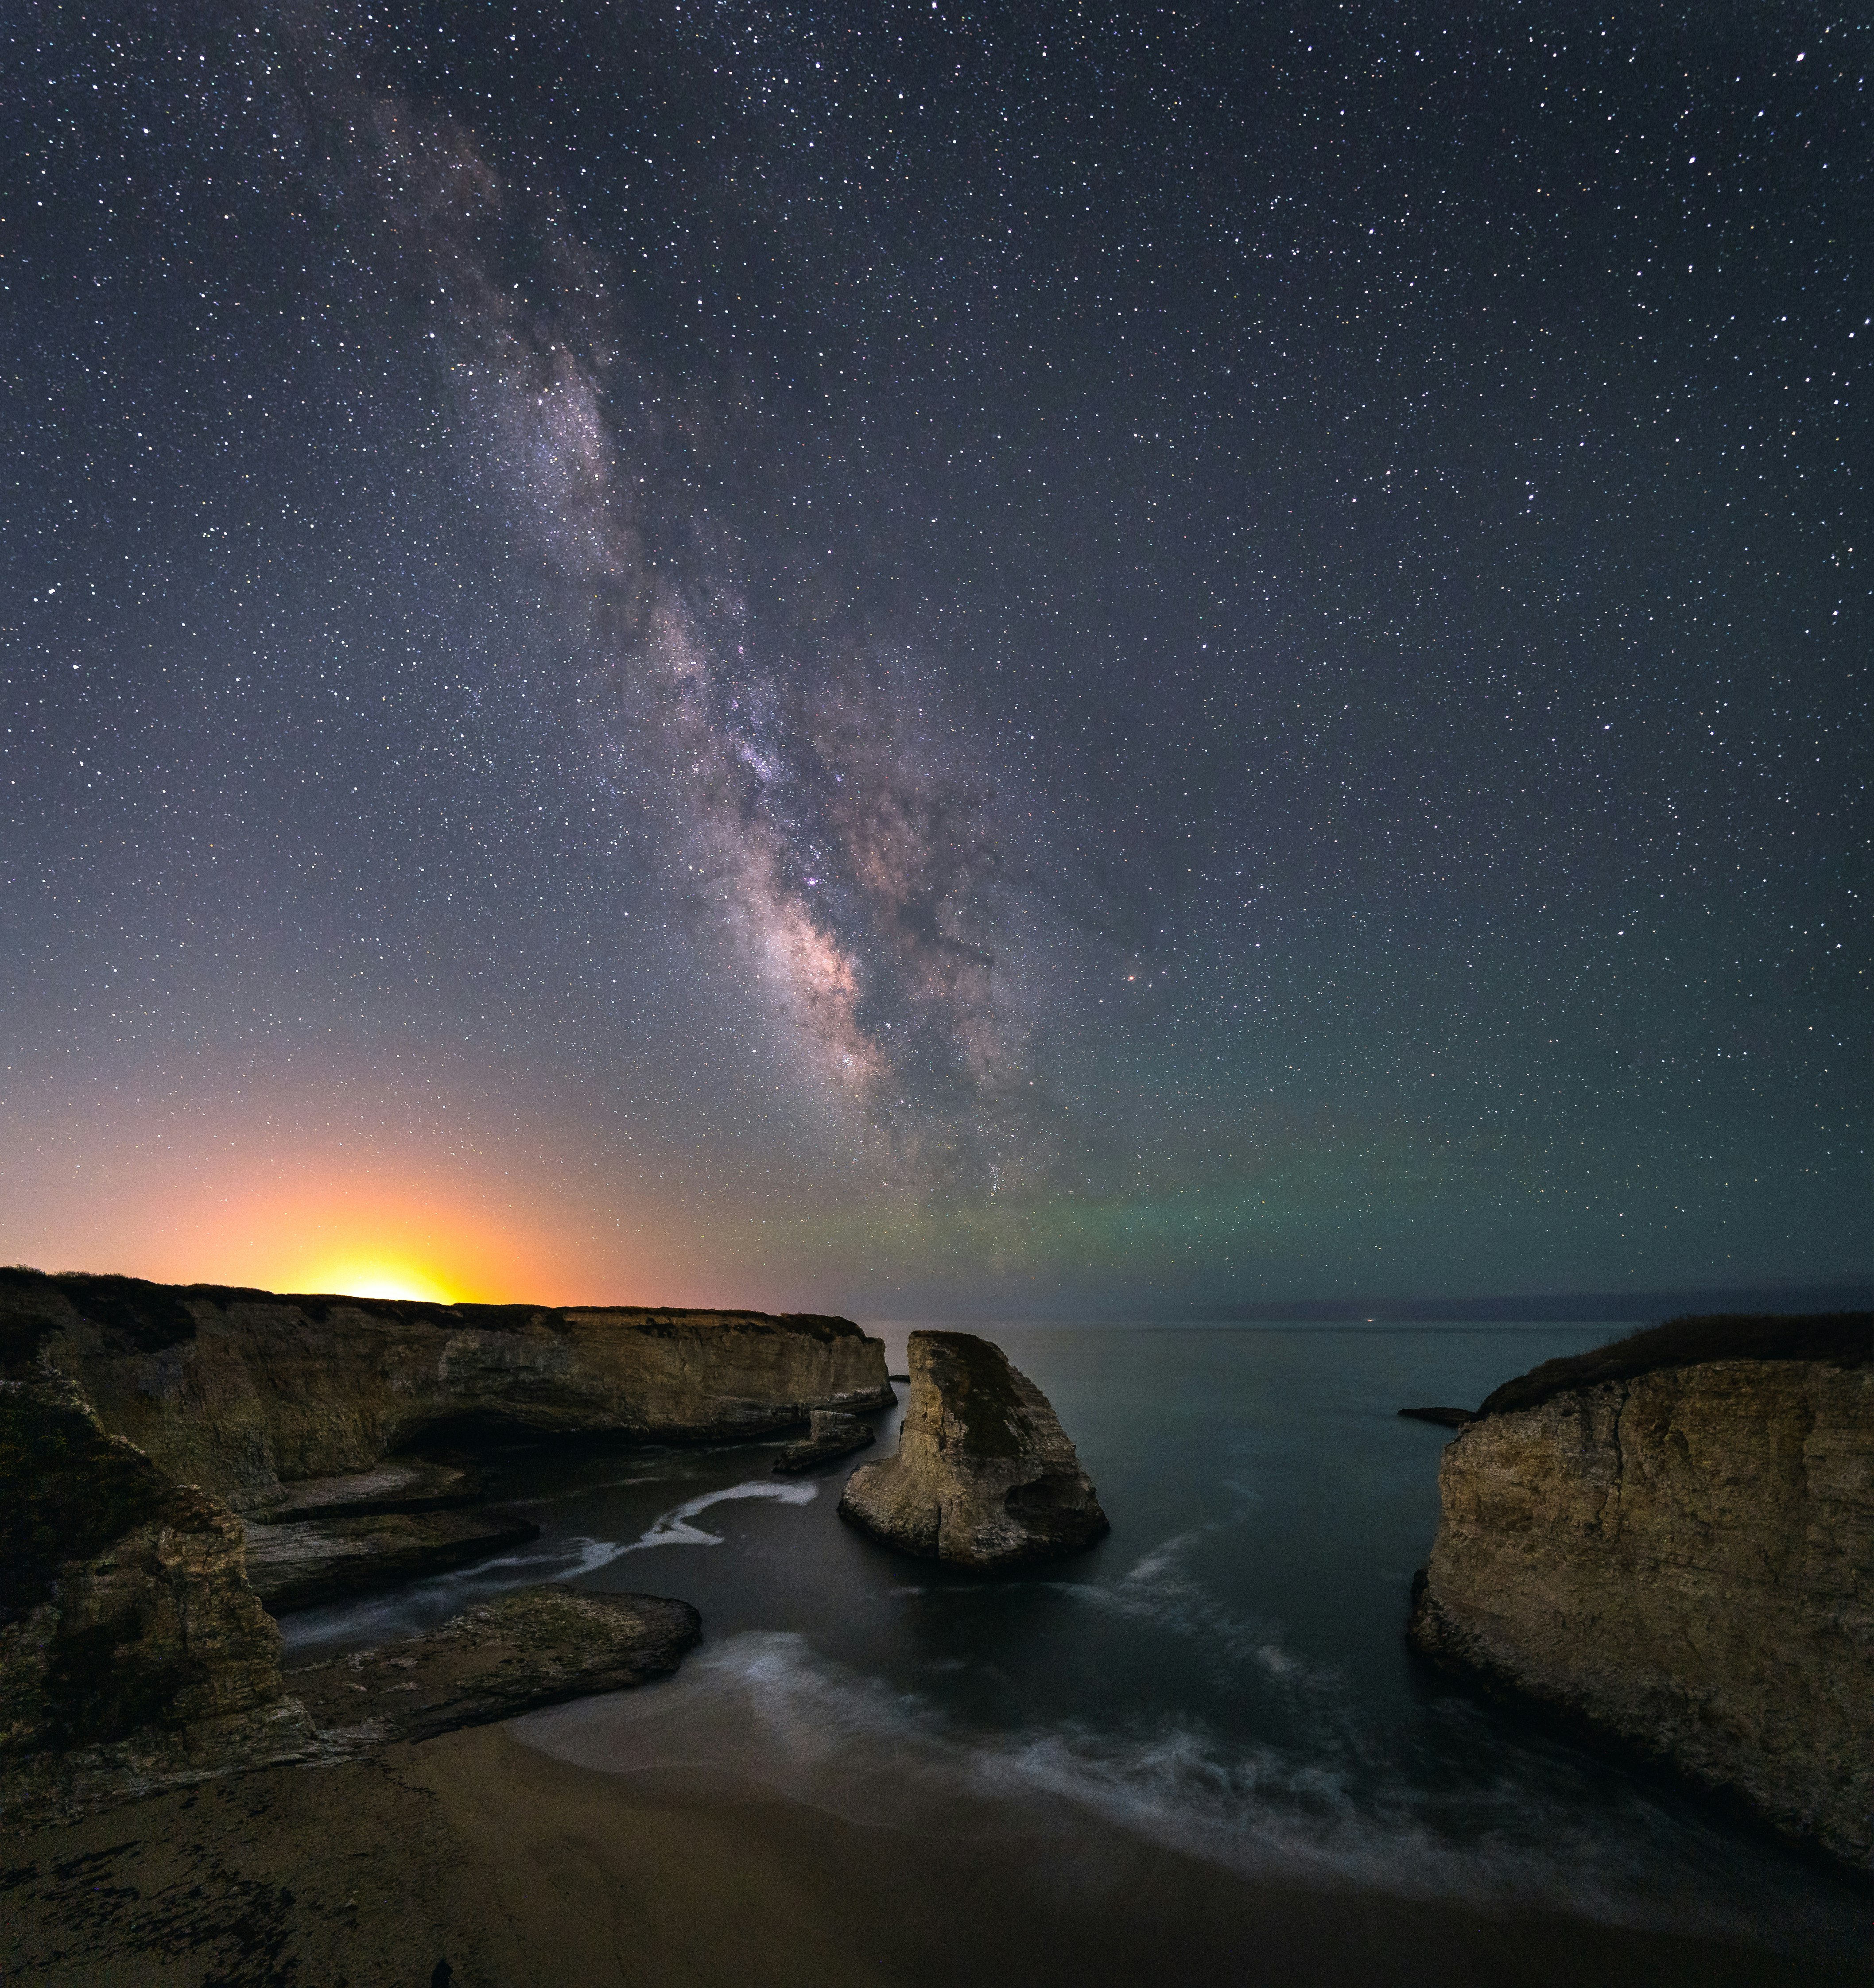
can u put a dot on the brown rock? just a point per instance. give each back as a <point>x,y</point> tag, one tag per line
<point>984,1475</point>
<point>829,1434</point>
<point>1682,1557</point>
<point>133,1655</point>
<point>246,1394</point>
<point>407,1484</point>
<point>535,1646</point>
<point>301,1564</point>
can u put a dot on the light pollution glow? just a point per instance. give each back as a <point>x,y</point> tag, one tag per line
<point>406,1223</point>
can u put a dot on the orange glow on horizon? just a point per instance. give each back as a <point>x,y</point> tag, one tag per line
<point>439,1240</point>
<point>280,1206</point>
<point>376,1275</point>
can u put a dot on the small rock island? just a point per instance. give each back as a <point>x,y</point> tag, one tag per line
<point>1670,1540</point>
<point>985,1475</point>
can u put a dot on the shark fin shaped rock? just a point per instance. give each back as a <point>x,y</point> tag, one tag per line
<point>985,1475</point>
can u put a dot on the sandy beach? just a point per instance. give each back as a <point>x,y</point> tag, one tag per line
<point>520,1870</point>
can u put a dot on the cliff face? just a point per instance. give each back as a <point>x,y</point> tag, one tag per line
<point>132,1653</point>
<point>984,1475</point>
<point>243,1391</point>
<point>1684,1558</point>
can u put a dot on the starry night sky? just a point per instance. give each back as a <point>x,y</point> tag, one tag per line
<point>932,658</point>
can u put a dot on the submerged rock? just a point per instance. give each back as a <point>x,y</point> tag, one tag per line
<point>1444,1418</point>
<point>1670,1540</point>
<point>302,1564</point>
<point>535,1647</point>
<point>829,1434</point>
<point>985,1475</point>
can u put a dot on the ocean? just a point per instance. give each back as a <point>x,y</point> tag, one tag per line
<point>1225,1676</point>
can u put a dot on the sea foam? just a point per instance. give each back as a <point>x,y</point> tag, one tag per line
<point>763,1707</point>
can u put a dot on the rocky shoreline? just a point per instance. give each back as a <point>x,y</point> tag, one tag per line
<point>179,1465</point>
<point>1669,1542</point>
<point>303,1563</point>
<point>251,1393</point>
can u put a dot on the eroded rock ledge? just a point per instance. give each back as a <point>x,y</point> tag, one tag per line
<point>985,1475</point>
<point>535,1647</point>
<point>830,1435</point>
<point>307,1562</point>
<point>1671,1541</point>
<point>135,1656</point>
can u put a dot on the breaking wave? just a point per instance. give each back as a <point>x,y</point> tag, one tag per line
<point>762,1707</point>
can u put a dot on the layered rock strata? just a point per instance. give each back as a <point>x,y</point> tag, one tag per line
<point>246,1394</point>
<point>984,1475</point>
<point>132,1653</point>
<point>830,1435</point>
<point>408,1484</point>
<point>537,1646</point>
<point>1671,1539</point>
<point>303,1563</point>
<point>135,1655</point>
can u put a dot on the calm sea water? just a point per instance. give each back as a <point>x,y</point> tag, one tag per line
<point>1226,1674</point>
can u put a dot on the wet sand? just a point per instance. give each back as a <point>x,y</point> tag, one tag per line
<point>519,1869</point>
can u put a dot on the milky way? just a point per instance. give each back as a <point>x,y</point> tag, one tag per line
<point>884,658</point>
<point>848,859</point>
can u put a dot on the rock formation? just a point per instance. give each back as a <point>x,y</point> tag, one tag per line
<point>829,1434</point>
<point>132,1653</point>
<point>1671,1539</point>
<point>138,1422</point>
<point>302,1562</point>
<point>984,1475</point>
<point>245,1393</point>
<point>536,1646</point>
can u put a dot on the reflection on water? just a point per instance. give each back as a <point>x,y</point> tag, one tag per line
<point>1226,1674</point>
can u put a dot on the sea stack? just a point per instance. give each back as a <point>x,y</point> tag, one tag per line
<point>985,1475</point>
<point>1671,1540</point>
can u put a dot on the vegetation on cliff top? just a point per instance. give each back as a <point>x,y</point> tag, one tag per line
<point>1836,1339</point>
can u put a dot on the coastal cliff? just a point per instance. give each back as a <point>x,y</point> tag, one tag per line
<point>1671,1541</point>
<point>985,1475</point>
<point>159,1444</point>
<point>245,1392</point>
<point>132,1653</point>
